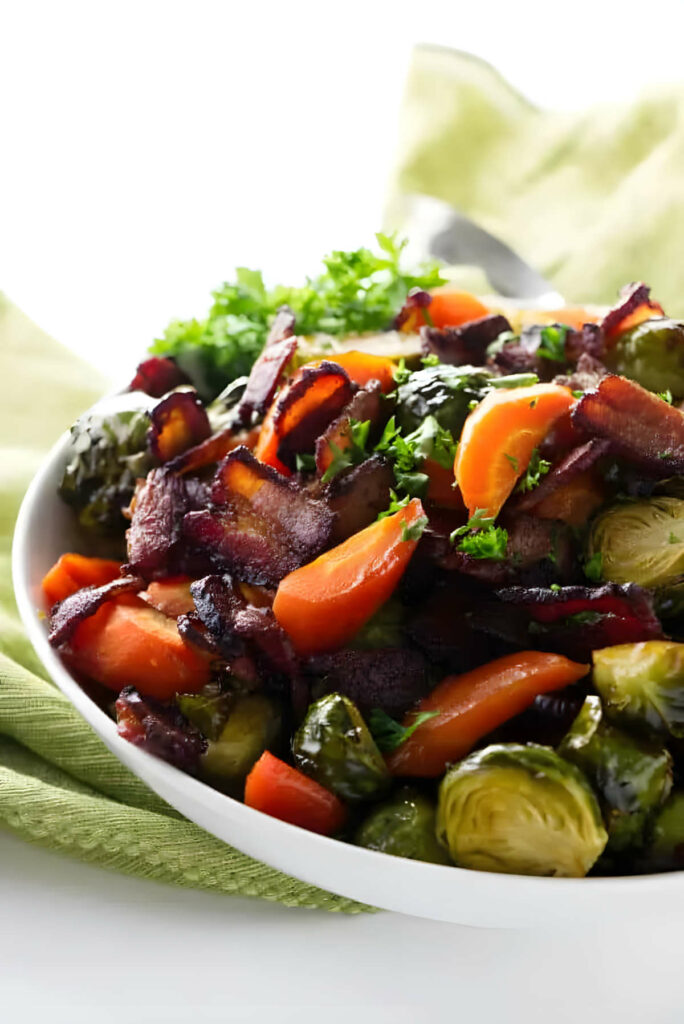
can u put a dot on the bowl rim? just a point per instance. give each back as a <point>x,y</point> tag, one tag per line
<point>164,778</point>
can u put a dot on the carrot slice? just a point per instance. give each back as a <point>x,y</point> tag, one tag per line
<point>574,502</point>
<point>266,447</point>
<point>71,572</point>
<point>469,706</point>
<point>278,789</point>
<point>362,367</point>
<point>127,642</point>
<point>171,596</point>
<point>448,308</point>
<point>573,316</point>
<point>441,485</point>
<point>498,439</point>
<point>322,605</point>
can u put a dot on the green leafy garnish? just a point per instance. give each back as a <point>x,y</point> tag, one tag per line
<point>513,461</point>
<point>395,505</point>
<point>355,453</point>
<point>536,469</point>
<point>401,374</point>
<point>357,291</point>
<point>490,543</point>
<point>673,539</point>
<point>552,345</point>
<point>514,380</point>
<point>305,463</point>
<point>390,734</point>
<point>583,619</point>
<point>666,396</point>
<point>487,540</point>
<point>414,532</point>
<point>593,567</point>
<point>405,460</point>
<point>432,441</point>
<point>431,360</point>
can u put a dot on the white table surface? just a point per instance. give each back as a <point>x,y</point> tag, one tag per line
<point>145,149</point>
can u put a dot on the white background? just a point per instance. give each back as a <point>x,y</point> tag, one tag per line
<point>145,149</point>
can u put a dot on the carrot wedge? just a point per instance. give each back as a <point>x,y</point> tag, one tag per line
<point>127,642</point>
<point>322,605</point>
<point>473,704</point>
<point>278,789</point>
<point>498,439</point>
<point>71,572</point>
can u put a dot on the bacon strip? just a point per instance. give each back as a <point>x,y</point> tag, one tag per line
<point>70,612</point>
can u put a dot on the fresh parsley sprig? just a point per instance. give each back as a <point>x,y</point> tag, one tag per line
<point>390,734</point>
<point>480,538</point>
<point>536,469</point>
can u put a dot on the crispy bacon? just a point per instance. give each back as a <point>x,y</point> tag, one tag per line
<point>266,375</point>
<point>586,376</point>
<point>267,525</point>
<point>160,730</point>
<point>357,496</point>
<point>634,307</point>
<point>213,449</point>
<point>70,612</point>
<point>577,461</point>
<point>156,531</point>
<point>367,404</point>
<point>156,376</point>
<point>460,346</point>
<point>416,300</point>
<point>640,426</point>
<point>315,398</point>
<point>577,620</point>
<point>391,678</point>
<point>179,421</point>
<point>589,341</point>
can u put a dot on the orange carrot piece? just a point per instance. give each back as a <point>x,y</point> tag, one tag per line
<point>441,487</point>
<point>127,642</point>
<point>574,502</point>
<point>278,789</point>
<point>362,367</point>
<point>448,308</point>
<point>646,311</point>
<point>171,596</point>
<point>471,705</point>
<point>266,447</point>
<point>72,571</point>
<point>573,316</point>
<point>498,439</point>
<point>322,605</point>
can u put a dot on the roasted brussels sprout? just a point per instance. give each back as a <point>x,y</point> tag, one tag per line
<point>520,810</point>
<point>404,826</point>
<point>643,685</point>
<point>640,541</point>
<point>442,391</point>
<point>631,777</point>
<point>106,454</point>
<point>208,709</point>
<point>384,629</point>
<point>653,355</point>
<point>665,849</point>
<point>334,746</point>
<point>253,725</point>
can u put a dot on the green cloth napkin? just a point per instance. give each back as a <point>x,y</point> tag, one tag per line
<point>591,199</point>
<point>59,785</point>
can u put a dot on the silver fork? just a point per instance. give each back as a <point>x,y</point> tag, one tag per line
<point>436,230</point>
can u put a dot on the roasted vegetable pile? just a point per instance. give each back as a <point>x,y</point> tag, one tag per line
<point>398,570</point>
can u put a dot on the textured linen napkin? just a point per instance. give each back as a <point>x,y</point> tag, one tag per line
<point>59,785</point>
<point>592,199</point>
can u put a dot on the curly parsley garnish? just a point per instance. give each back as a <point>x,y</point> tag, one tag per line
<point>536,469</point>
<point>479,538</point>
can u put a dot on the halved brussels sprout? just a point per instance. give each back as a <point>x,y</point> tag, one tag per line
<point>653,355</point>
<point>640,541</point>
<point>334,746</point>
<point>665,849</point>
<point>643,685</point>
<point>208,709</point>
<point>253,725</point>
<point>404,826</point>
<point>632,777</point>
<point>520,810</point>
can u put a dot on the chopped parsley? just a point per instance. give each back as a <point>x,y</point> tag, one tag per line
<point>414,532</point>
<point>666,396</point>
<point>552,344</point>
<point>513,461</point>
<point>395,505</point>
<point>673,539</point>
<point>305,463</point>
<point>352,454</point>
<point>432,359</point>
<point>536,469</point>
<point>479,538</point>
<point>401,374</point>
<point>390,734</point>
<point>593,567</point>
<point>358,290</point>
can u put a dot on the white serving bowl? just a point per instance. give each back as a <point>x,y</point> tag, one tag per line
<point>45,530</point>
